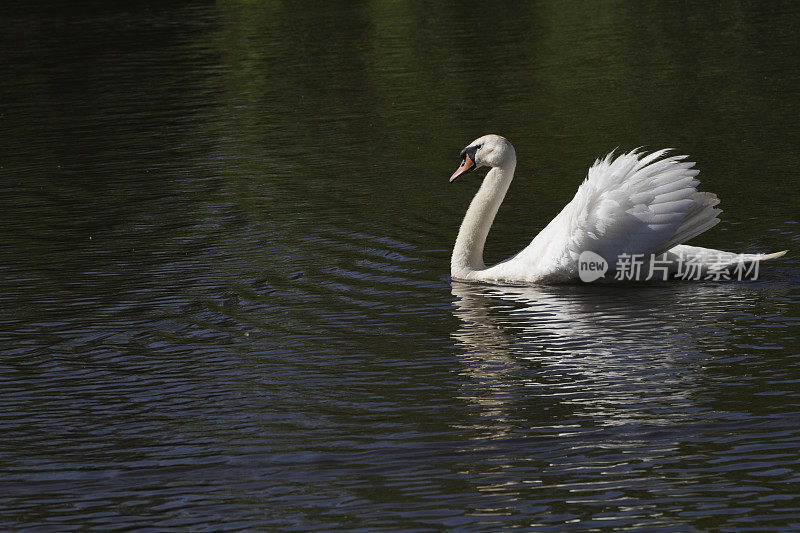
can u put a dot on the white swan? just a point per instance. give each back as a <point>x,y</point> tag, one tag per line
<point>632,204</point>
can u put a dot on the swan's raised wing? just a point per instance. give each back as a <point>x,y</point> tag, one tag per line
<point>632,204</point>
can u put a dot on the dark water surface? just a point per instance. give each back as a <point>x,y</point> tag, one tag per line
<point>224,289</point>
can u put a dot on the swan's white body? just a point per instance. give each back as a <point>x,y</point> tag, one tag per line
<point>631,204</point>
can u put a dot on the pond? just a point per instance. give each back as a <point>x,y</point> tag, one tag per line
<point>226,300</point>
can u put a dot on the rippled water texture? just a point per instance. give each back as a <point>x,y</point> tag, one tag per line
<point>224,290</point>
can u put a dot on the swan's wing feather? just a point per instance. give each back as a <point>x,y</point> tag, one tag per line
<point>630,204</point>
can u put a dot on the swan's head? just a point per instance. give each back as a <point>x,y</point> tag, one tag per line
<point>489,150</point>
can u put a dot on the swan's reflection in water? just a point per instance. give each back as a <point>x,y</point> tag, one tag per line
<point>598,355</point>
<point>606,398</point>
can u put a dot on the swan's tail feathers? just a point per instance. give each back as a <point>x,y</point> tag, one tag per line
<point>764,257</point>
<point>719,259</point>
<point>729,259</point>
<point>701,216</point>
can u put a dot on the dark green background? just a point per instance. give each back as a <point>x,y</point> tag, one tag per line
<point>224,290</point>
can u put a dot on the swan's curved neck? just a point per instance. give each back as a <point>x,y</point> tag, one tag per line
<point>468,251</point>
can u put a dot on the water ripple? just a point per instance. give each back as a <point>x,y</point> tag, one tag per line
<point>224,291</point>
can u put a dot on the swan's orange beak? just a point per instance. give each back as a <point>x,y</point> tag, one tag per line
<point>466,165</point>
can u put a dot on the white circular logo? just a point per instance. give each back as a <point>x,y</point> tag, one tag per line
<point>591,266</point>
